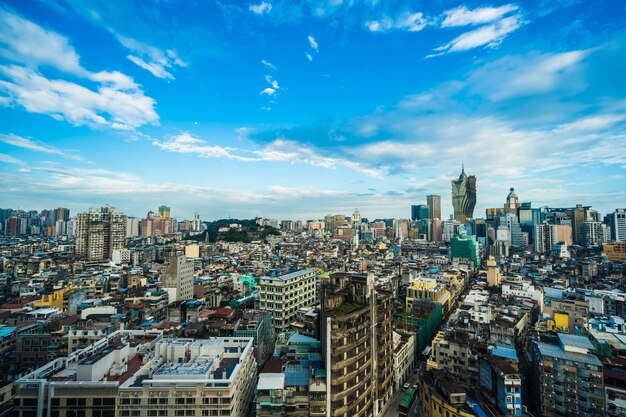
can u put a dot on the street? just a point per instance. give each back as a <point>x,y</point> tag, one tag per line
<point>393,411</point>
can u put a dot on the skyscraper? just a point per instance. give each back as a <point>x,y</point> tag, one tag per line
<point>464,197</point>
<point>420,212</point>
<point>100,232</point>
<point>512,202</point>
<point>434,204</point>
<point>617,225</point>
<point>356,336</point>
<point>164,212</point>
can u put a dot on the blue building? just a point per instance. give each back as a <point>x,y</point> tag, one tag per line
<point>501,382</point>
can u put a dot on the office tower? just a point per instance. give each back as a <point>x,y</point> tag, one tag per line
<point>568,379</point>
<point>13,226</point>
<point>517,239</point>
<point>420,212</point>
<point>100,232</point>
<point>616,222</point>
<point>512,202</point>
<point>132,227</point>
<point>284,295</point>
<point>436,234</point>
<point>60,214</point>
<point>164,212</point>
<point>356,336</point>
<point>400,229</point>
<point>578,216</point>
<point>434,204</point>
<point>464,197</point>
<point>177,278</point>
<point>593,233</point>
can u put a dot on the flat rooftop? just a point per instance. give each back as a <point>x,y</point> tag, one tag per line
<point>290,276</point>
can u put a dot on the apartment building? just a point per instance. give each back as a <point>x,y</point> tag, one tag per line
<point>282,296</point>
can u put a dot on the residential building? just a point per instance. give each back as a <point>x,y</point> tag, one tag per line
<point>616,222</point>
<point>177,278</point>
<point>100,232</point>
<point>356,338</point>
<point>282,296</point>
<point>568,377</point>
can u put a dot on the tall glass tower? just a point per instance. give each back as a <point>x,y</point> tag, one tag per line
<point>464,197</point>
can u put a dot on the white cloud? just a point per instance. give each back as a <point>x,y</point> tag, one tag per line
<point>261,8</point>
<point>109,106</point>
<point>526,75</point>
<point>29,144</point>
<point>151,58</point>
<point>8,159</point>
<point>462,16</point>
<point>272,82</point>
<point>268,91</point>
<point>117,103</point>
<point>268,64</point>
<point>25,42</point>
<point>309,56</point>
<point>489,36</point>
<point>155,69</point>
<point>279,150</point>
<point>411,22</point>
<point>189,144</point>
<point>592,123</point>
<point>32,145</point>
<point>313,43</point>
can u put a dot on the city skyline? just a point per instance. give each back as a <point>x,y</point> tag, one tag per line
<point>297,110</point>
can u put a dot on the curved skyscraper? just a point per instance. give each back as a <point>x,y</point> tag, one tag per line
<point>464,197</point>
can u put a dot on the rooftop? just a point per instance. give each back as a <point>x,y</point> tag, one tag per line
<point>290,276</point>
<point>554,351</point>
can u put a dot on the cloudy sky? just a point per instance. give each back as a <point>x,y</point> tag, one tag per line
<point>294,109</point>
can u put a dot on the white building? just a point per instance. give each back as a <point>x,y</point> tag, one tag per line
<point>284,295</point>
<point>177,278</point>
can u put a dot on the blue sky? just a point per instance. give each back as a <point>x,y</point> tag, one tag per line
<point>299,109</point>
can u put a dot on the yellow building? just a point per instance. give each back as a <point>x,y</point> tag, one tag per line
<point>559,323</point>
<point>615,251</point>
<point>440,396</point>
<point>493,273</point>
<point>427,289</point>
<point>54,300</point>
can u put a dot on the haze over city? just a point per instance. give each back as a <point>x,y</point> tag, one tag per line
<point>298,109</point>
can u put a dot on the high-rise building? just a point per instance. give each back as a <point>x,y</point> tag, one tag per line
<point>578,216</point>
<point>60,214</point>
<point>100,232</point>
<point>464,197</point>
<point>512,202</point>
<point>616,222</point>
<point>434,204</point>
<point>568,379</point>
<point>196,223</point>
<point>164,212</point>
<point>593,233</point>
<point>356,336</point>
<point>356,217</point>
<point>132,227</point>
<point>177,278</point>
<point>420,212</point>
<point>284,295</point>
